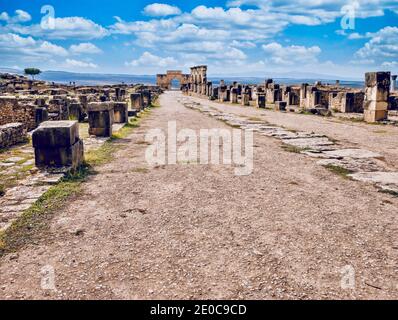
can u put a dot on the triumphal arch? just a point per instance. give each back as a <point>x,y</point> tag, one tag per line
<point>165,80</point>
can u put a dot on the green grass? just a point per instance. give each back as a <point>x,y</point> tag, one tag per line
<point>140,170</point>
<point>294,149</point>
<point>254,119</point>
<point>342,172</point>
<point>35,220</point>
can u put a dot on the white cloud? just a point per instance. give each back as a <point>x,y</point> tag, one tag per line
<point>291,55</point>
<point>64,28</point>
<point>382,45</point>
<point>4,16</point>
<point>22,16</point>
<point>150,60</point>
<point>13,44</point>
<point>362,62</point>
<point>161,10</point>
<point>243,44</point>
<point>84,48</point>
<point>80,64</point>
<point>390,64</point>
<point>321,10</point>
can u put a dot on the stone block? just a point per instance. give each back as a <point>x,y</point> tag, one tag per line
<point>261,99</point>
<point>76,112</point>
<point>11,134</point>
<point>68,156</point>
<point>121,112</point>
<point>379,79</point>
<point>245,99</point>
<point>280,106</point>
<point>56,134</point>
<point>137,102</point>
<point>100,118</point>
<point>146,98</point>
<point>41,115</point>
<point>234,95</point>
<point>375,115</point>
<point>376,94</point>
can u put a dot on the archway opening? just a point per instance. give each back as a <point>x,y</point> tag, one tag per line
<point>175,84</point>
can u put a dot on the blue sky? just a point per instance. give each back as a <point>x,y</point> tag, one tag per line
<point>233,37</point>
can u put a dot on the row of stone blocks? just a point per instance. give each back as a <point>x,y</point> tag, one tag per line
<point>57,144</point>
<point>141,100</point>
<point>102,115</point>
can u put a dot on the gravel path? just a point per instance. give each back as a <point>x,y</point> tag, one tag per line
<point>198,231</point>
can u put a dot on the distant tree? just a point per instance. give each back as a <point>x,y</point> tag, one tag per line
<point>32,72</point>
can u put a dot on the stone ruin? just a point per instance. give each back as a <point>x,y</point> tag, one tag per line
<point>164,81</point>
<point>52,112</point>
<point>375,101</point>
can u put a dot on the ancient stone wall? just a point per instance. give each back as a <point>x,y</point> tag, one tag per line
<point>12,133</point>
<point>12,111</point>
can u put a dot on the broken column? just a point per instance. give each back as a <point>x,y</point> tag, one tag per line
<point>121,112</point>
<point>377,92</point>
<point>57,144</point>
<point>100,118</point>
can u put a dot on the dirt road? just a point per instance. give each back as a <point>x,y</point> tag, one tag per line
<point>290,230</point>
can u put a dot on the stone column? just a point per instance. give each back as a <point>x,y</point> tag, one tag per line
<point>245,99</point>
<point>146,98</point>
<point>136,101</point>
<point>377,92</point>
<point>303,95</point>
<point>41,115</point>
<point>394,83</point>
<point>121,112</point>
<point>57,144</point>
<point>261,100</point>
<point>118,94</point>
<point>234,95</point>
<point>215,93</point>
<point>227,95</point>
<point>100,118</point>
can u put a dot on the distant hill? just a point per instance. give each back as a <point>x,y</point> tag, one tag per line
<point>11,71</point>
<point>103,79</point>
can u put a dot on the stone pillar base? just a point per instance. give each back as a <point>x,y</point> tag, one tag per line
<point>280,106</point>
<point>71,156</point>
<point>57,144</point>
<point>100,118</point>
<point>121,112</point>
<point>375,115</point>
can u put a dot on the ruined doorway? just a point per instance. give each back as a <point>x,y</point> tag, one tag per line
<point>175,84</point>
<point>173,80</point>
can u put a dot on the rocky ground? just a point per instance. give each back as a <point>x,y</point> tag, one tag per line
<point>291,230</point>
